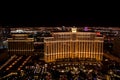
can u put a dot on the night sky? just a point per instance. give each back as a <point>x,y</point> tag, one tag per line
<point>59,18</point>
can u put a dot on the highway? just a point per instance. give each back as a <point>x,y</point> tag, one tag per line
<point>8,63</point>
<point>15,63</point>
<point>19,62</point>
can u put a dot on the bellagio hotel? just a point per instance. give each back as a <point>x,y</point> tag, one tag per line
<point>73,45</point>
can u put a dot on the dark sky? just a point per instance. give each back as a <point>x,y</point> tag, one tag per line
<point>60,18</point>
<point>58,14</point>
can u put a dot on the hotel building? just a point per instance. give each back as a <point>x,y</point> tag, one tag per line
<point>82,45</point>
<point>20,44</point>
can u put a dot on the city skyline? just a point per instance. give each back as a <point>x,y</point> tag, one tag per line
<point>65,50</point>
<point>48,43</point>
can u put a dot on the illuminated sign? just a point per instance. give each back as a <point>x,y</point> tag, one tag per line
<point>74,30</point>
<point>86,29</point>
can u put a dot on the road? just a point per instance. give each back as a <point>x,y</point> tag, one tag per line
<point>15,63</point>
<point>111,57</point>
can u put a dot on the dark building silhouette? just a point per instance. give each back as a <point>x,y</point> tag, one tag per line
<point>116,46</point>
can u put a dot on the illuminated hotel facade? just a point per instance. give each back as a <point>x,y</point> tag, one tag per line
<point>73,44</point>
<point>20,44</point>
